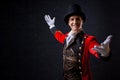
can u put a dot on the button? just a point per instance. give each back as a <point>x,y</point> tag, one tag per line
<point>85,37</point>
<point>80,67</point>
<point>80,48</point>
<point>82,42</point>
<point>78,60</point>
<point>79,54</point>
<point>81,73</point>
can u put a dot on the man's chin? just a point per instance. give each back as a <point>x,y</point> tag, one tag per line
<point>76,30</point>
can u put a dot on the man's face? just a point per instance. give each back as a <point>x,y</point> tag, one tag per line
<point>75,22</point>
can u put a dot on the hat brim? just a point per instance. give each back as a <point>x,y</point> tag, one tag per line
<point>68,15</point>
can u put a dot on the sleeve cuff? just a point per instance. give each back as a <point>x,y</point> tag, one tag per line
<point>53,29</point>
<point>51,26</point>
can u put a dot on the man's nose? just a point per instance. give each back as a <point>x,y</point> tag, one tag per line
<point>75,21</point>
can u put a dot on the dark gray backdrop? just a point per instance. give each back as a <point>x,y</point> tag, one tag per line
<point>28,50</point>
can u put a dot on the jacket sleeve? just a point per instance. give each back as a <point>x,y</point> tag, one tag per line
<point>92,43</point>
<point>58,35</point>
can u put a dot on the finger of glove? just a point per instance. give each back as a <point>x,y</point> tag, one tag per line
<point>105,44</point>
<point>99,47</point>
<point>102,44</point>
<point>110,36</point>
<point>46,18</point>
<point>49,18</point>
<point>54,19</point>
<point>108,39</point>
<point>100,50</point>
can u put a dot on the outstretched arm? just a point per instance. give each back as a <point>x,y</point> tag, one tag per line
<point>57,33</point>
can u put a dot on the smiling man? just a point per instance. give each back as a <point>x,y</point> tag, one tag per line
<point>78,45</point>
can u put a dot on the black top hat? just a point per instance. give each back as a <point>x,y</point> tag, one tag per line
<point>75,9</point>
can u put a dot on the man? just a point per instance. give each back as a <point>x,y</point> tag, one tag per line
<point>78,45</point>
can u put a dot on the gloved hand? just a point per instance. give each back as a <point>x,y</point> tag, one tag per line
<point>104,48</point>
<point>50,22</point>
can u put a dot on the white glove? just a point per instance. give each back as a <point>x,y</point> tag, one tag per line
<point>104,48</point>
<point>50,22</point>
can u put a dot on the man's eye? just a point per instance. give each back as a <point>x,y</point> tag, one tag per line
<point>72,19</point>
<point>77,19</point>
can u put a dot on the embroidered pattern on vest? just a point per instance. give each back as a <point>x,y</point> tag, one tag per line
<point>72,63</point>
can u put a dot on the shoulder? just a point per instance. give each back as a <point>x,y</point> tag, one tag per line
<point>89,37</point>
